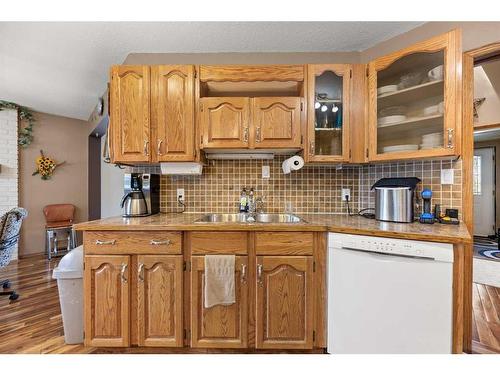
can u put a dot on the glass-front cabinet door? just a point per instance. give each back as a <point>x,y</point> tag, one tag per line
<point>328,113</point>
<point>414,101</point>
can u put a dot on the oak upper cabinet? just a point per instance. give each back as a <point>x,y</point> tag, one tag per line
<point>225,122</point>
<point>219,326</point>
<point>159,300</point>
<point>284,316</point>
<point>276,122</point>
<point>130,114</point>
<point>328,113</point>
<point>107,314</point>
<point>415,101</point>
<point>172,102</point>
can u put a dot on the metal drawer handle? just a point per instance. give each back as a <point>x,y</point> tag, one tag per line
<point>100,242</point>
<point>146,148</point>
<point>243,273</point>
<point>311,148</point>
<point>259,274</point>
<point>158,243</point>
<point>122,272</point>
<point>140,272</point>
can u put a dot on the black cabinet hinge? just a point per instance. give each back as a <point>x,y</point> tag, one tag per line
<point>301,106</point>
<point>350,73</point>
<point>367,153</point>
<point>187,266</point>
<point>314,266</point>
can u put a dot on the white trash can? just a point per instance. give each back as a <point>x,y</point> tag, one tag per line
<point>69,275</point>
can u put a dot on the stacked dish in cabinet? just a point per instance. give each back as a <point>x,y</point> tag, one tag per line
<point>410,104</point>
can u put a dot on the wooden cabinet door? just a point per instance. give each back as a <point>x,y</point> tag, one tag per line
<point>225,122</point>
<point>284,306</point>
<point>219,326</point>
<point>159,300</point>
<point>415,101</point>
<point>106,300</point>
<point>172,98</point>
<point>129,119</point>
<point>328,113</point>
<point>276,122</point>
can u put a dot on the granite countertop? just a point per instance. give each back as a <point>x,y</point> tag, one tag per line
<point>312,222</point>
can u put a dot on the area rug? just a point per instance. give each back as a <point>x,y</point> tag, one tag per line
<point>485,248</point>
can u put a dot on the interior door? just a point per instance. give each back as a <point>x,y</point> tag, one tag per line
<point>225,122</point>
<point>172,98</point>
<point>484,191</point>
<point>219,326</point>
<point>159,296</point>
<point>130,118</point>
<point>276,122</point>
<point>106,303</point>
<point>284,316</point>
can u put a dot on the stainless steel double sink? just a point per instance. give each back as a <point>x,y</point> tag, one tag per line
<point>247,218</point>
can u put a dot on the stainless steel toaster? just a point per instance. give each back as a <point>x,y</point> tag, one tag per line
<point>395,199</point>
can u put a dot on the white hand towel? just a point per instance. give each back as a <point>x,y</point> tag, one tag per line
<point>219,280</point>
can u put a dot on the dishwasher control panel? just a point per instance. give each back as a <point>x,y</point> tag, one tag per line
<point>396,246</point>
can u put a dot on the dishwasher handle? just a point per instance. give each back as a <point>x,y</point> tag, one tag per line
<point>386,257</point>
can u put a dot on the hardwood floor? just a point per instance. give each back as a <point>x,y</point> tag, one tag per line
<point>33,323</point>
<point>485,319</point>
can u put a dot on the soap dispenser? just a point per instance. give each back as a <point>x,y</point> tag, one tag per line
<point>243,201</point>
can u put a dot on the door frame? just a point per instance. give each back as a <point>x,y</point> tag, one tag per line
<point>469,57</point>
<point>494,148</point>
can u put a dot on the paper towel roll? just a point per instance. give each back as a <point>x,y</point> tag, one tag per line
<point>292,164</point>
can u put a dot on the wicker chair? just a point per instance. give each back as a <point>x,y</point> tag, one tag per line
<point>10,227</point>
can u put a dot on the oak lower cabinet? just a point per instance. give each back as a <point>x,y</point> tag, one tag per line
<point>113,294</point>
<point>159,300</point>
<point>107,300</point>
<point>219,326</point>
<point>284,302</point>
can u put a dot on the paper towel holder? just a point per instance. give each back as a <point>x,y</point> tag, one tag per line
<point>287,169</point>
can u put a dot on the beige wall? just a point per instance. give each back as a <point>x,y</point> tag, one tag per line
<point>63,139</point>
<point>474,35</point>
<point>242,58</point>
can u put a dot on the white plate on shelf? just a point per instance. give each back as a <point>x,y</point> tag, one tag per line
<point>429,147</point>
<point>399,148</point>
<point>387,89</point>
<point>437,109</point>
<point>387,120</point>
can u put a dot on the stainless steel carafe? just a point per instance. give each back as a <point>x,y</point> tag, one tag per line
<point>134,204</point>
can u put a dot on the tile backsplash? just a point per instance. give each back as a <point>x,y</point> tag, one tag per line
<point>313,189</point>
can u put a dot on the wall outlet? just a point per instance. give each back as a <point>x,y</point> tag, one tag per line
<point>266,171</point>
<point>180,195</point>
<point>447,176</point>
<point>346,192</point>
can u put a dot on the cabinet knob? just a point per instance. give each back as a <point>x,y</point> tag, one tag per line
<point>160,141</point>
<point>243,273</point>
<point>140,272</point>
<point>122,272</point>
<point>450,138</point>
<point>259,274</point>
<point>245,134</point>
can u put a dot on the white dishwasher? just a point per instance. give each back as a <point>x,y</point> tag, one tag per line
<point>389,295</point>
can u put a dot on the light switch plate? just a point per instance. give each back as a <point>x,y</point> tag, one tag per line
<point>447,176</point>
<point>266,171</point>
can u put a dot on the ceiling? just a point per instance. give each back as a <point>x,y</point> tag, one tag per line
<point>61,68</point>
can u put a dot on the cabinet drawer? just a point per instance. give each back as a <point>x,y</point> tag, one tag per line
<point>118,242</point>
<point>219,243</point>
<point>284,243</point>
